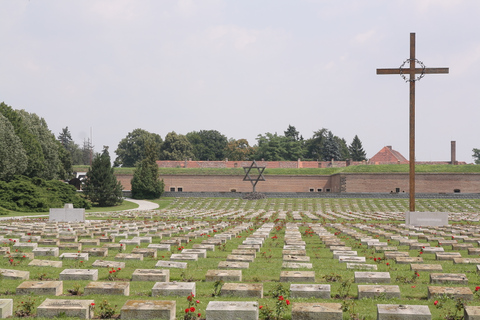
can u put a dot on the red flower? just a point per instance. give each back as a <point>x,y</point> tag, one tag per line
<point>280,298</point>
<point>110,271</point>
<point>477,288</point>
<point>199,314</point>
<point>287,302</point>
<point>119,269</point>
<point>436,302</point>
<point>260,307</point>
<point>92,304</point>
<point>388,264</point>
<point>186,310</point>
<point>198,301</point>
<point>192,309</point>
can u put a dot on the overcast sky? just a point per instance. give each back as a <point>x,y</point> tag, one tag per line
<point>244,68</point>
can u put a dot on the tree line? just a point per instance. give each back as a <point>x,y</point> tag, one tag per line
<point>211,145</point>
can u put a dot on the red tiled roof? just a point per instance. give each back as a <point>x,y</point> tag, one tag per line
<point>388,156</point>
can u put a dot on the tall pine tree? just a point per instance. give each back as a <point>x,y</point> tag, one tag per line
<point>356,150</point>
<point>145,181</point>
<point>101,186</point>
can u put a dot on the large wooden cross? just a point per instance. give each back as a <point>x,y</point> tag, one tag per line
<point>412,71</point>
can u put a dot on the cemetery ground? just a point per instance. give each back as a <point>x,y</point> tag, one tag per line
<point>348,257</point>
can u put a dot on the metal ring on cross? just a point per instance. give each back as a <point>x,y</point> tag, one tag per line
<point>420,76</point>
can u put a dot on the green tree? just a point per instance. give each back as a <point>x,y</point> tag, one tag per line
<point>131,149</point>
<point>356,150</point>
<point>31,145</point>
<point>101,186</point>
<point>293,134</point>
<point>239,150</point>
<point>176,147</point>
<point>343,148</point>
<point>73,149</point>
<point>13,158</point>
<point>314,145</point>
<point>271,147</point>
<point>39,128</point>
<point>145,181</point>
<point>476,155</point>
<point>331,148</point>
<point>208,144</point>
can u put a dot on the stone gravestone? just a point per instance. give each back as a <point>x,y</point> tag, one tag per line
<point>67,214</point>
<point>6,308</point>
<point>428,219</point>
<point>51,308</point>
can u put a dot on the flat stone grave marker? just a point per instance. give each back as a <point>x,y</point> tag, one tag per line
<point>471,313</point>
<point>473,251</point>
<point>297,265</point>
<point>297,276</point>
<point>245,252</point>
<point>317,310</point>
<point>447,255</point>
<point>337,254</point>
<point>79,274</point>
<point>373,291</point>
<point>372,277</point>
<point>117,288</point>
<point>419,245</point>
<point>20,255</point>
<point>52,308</point>
<point>462,246</point>
<point>454,292</point>
<point>201,253</point>
<point>25,245</point>
<point>146,252</point>
<point>224,275</point>
<point>159,246</point>
<point>426,267</point>
<point>340,248</point>
<point>74,256</point>
<point>466,260</point>
<point>291,247</point>
<point>46,252</point>
<point>408,260</point>
<point>173,289</point>
<point>361,266</point>
<point>54,288</point>
<point>403,312</point>
<point>290,258</point>
<point>96,252</point>
<point>148,309</point>
<point>233,265</point>
<point>6,308</point>
<point>45,263</point>
<point>116,246</point>
<point>14,274</point>
<point>433,249</point>
<point>70,246</point>
<point>320,291</point>
<point>223,310</point>
<point>242,290</point>
<point>158,275</point>
<point>393,255</point>
<point>108,264</point>
<point>129,256</point>
<point>171,264</point>
<point>208,247</point>
<point>183,257</point>
<point>89,242</point>
<point>386,248</point>
<point>353,259</point>
<point>240,258</point>
<point>456,278</point>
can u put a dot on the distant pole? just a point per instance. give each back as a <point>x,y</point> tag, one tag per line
<point>412,71</point>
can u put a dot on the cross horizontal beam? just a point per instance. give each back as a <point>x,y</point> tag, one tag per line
<point>417,70</point>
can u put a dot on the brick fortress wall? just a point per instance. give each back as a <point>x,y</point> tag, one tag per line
<point>343,182</point>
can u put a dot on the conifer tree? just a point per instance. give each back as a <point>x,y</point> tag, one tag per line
<point>331,149</point>
<point>145,181</point>
<point>101,186</point>
<point>356,150</point>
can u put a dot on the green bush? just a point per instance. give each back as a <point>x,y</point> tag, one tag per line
<point>37,195</point>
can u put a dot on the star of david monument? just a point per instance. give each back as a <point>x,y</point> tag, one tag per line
<point>249,175</point>
<point>412,74</point>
